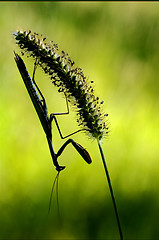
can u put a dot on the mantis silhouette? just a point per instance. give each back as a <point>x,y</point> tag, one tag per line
<point>46,120</point>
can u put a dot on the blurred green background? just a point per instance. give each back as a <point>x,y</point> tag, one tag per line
<point>117,46</point>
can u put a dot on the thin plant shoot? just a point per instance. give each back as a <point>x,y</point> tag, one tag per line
<point>77,89</point>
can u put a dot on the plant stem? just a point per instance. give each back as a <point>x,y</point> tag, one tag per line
<point>110,187</point>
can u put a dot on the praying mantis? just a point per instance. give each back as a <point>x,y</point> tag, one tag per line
<point>76,88</point>
<point>46,120</point>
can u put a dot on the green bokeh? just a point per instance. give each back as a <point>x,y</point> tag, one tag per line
<point>117,46</point>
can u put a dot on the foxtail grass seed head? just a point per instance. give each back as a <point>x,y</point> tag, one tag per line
<point>68,79</point>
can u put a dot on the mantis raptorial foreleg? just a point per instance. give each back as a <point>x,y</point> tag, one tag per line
<point>85,155</point>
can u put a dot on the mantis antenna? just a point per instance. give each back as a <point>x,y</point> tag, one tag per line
<point>55,182</point>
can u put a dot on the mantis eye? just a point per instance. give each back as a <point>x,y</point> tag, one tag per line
<point>60,168</point>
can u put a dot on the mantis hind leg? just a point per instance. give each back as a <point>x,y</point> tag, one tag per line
<point>58,127</point>
<point>53,116</point>
<point>33,79</point>
<point>38,89</point>
<point>63,113</point>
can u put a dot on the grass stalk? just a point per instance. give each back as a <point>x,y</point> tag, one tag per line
<point>110,188</point>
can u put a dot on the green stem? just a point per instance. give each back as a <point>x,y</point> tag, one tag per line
<point>111,189</point>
